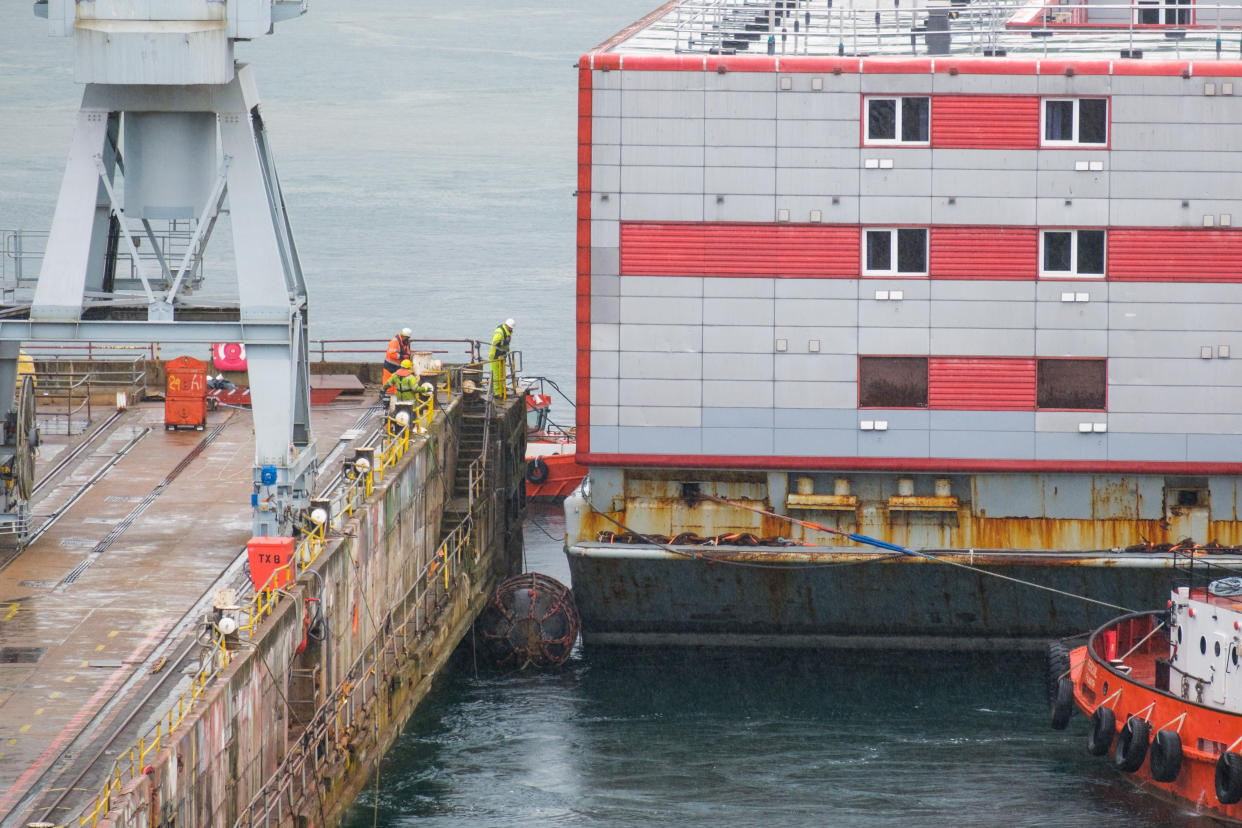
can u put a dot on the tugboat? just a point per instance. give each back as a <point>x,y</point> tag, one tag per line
<point>1162,691</point>
<point>551,450</point>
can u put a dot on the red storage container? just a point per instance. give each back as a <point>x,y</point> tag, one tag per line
<point>185,393</point>
<point>266,555</point>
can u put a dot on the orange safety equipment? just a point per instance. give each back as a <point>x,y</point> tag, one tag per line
<point>398,352</point>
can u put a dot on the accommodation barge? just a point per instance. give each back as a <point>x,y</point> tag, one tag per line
<point>960,277</point>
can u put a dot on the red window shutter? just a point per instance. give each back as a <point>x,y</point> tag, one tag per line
<point>981,383</point>
<point>982,252</point>
<point>738,250</point>
<point>985,122</point>
<point>1175,255</point>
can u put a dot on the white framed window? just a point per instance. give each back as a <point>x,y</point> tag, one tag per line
<point>1071,254</point>
<point>1164,12</point>
<point>900,251</point>
<point>1075,121</point>
<point>898,120</point>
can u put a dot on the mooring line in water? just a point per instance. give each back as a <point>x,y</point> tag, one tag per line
<point>913,553</point>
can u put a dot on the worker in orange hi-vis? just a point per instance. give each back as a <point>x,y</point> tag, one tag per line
<point>398,352</point>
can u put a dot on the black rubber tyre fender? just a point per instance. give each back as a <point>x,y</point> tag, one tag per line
<point>1056,667</point>
<point>1131,747</point>
<point>536,470</point>
<point>1062,706</point>
<point>1166,756</point>
<point>1229,778</point>
<point>1101,730</point>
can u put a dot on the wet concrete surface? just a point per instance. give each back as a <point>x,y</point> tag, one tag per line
<point>90,608</point>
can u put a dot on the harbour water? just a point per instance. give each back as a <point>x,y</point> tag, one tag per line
<point>427,158</point>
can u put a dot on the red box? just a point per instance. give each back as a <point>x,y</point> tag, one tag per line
<point>267,555</point>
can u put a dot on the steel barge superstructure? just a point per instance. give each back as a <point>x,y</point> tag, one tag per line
<point>963,277</point>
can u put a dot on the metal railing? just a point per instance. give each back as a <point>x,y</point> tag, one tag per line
<point>69,392</point>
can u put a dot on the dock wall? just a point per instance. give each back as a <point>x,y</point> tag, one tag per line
<point>288,734</point>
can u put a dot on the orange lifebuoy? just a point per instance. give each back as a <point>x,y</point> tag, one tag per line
<point>229,356</point>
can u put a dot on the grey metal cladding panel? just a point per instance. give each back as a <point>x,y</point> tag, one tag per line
<point>845,211</point>
<point>662,131</point>
<point>740,81</point>
<point>717,311</point>
<point>983,341</point>
<point>661,180</point>
<point>604,337</point>
<point>1174,137</point>
<point>662,155</point>
<point>815,395</point>
<point>1154,85</point>
<point>604,154</point>
<point>1050,290</point>
<point>1210,448</point>
<point>637,440</point>
<point>1072,86</point>
<point>815,289</point>
<point>1161,184</point>
<point>1193,108</point>
<point>738,180</point>
<point>831,340</point>
<point>976,160</point>
<point>1175,423</point>
<point>822,182</point>
<point>893,443</point>
<point>605,210</point>
<point>1182,344</point>
<point>815,442</point>
<point>756,288</point>
<point>903,158</point>
<point>659,207</point>
<point>983,290</point>
<point>604,364</point>
<point>817,134</point>
<point>1066,422</point>
<point>661,286</point>
<point>604,262</point>
<point>1071,446</point>
<point>1026,495</point>
<point>984,211</point>
<point>724,339</point>
<point>1054,342</point>
<point>1014,422</point>
<point>895,182</point>
<point>1000,445</point>
<point>678,393</point>
<point>969,84</point>
<point>1168,212</point>
<point>605,103</point>
<point>818,106</point>
<point>661,104</point>
<point>886,84</point>
<point>605,285</point>
<point>654,415</point>
<point>1184,316</point>
<point>816,312</point>
<point>979,314</point>
<point>1172,293</point>
<point>605,309</point>
<point>738,441</point>
<point>841,419</point>
<point>1072,184</point>
<point>604,438</point>
<point>740,157</point>
<point>1200,161</point>
<point>655,79</point>
<point>821,158</point>
<point>907,209</point>
<point>736,104</point>
<point>738,207</point>
<point>1154,399</point>
<point>1073,315</point>
<point>604,391</point>
<point>604,415</point>
<point>756,393</point>
<point>737,367</point>
<point>895,341</point>
<point>672,338</point>
<point>1165,448</point>
<point>738,417</point>
<point>902,419</point>
<point>1071,212</point>
<point>816,367</point>
<point>605,130</point>
<point>601,80</point>
<point>908,313</point>
<point>662,310</point>
<point>747,132</point>
<point>660,365</point>
<point>1175,372</point>
<point>995,184</point>
<point>1226,495</point>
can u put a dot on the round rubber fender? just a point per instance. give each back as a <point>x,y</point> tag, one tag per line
<point>1131,747</point>
<point>1229,778</point>
<point>1101,730</point>
<point>536,470</point>
<point>1166,756</point>
<point>1063,705</point>
<point>1056,667</point>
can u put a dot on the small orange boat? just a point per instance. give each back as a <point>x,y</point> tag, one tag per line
<point>551,468</point>
<point>1162,692</point>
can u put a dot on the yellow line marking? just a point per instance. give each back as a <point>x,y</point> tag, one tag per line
<point>39,712</point>
<point>55,694</point>
<point>70,678</point>
<point>99,647</point>
<point>23,728</point>
<point>12,610</point>
<point>12,742</point>
<point>112,634</point>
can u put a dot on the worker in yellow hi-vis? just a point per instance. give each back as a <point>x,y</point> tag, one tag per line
<point>403,382</point>
<point>500,354</point>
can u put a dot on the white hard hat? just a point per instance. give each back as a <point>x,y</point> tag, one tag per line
<point>508,323</point>
<point>426,386</point>
<point>406,332</point>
